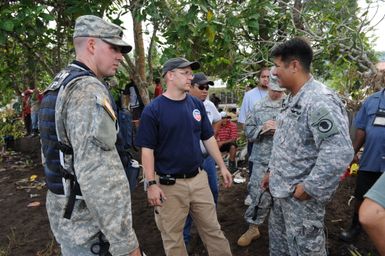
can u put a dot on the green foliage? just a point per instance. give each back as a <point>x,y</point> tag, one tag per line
<point>10,125</point>
<point>36,40</point>
<point>232,39</point>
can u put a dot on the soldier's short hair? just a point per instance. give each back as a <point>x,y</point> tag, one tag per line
<point>296,48</point>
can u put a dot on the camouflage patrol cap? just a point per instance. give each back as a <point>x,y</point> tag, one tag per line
<point>93,26</point>
<point>273,83</point>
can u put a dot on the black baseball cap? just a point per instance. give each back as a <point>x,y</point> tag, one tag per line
<point>179,63</point>
<point>201,79</point>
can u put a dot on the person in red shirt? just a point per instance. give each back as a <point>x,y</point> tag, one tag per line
<point>158,88</point>
<point>26,110</point>
<point>226,138</point>
<point>34,102</point>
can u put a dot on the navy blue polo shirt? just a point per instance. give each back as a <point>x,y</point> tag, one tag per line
<point>173,130</point>
<point>373,157</point>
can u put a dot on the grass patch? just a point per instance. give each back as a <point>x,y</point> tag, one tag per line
<point>4,251</point>
<point>12,241</point>
<point>51,249</point>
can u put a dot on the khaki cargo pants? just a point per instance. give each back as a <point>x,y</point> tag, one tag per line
<point>192,196</point>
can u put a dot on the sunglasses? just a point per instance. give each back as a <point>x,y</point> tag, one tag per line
<point>203,87</point>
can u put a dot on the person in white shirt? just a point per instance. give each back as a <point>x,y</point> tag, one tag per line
<point>251,97</point>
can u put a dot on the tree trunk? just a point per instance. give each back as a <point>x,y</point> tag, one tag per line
<point>140,60</point>
<point>149,54</point>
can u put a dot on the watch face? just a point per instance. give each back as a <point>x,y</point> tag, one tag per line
<point>151,182</point>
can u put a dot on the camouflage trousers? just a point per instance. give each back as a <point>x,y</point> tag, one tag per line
<point>259,208</point>
<point>296,227</point>
<point>75,236</point>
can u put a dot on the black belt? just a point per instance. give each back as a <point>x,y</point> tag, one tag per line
<point>180,175</point>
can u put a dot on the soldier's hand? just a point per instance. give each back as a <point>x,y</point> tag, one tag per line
<point>155,195</point>
<point>265,181</point>
<point>269,125</point>
<point>300,194</point>
<point>227,177</point>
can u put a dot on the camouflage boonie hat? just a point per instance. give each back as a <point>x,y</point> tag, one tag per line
<point>93,26</point>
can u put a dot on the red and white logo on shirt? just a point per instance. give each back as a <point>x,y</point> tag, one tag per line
<point>197,115</point>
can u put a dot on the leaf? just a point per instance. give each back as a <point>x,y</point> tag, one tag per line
<point>204,8</point>
<point>8,25</point>
<point>47,17</point>
<point>3,39</point>
<point>210,16</point>
<point>210,33</point>
<point>253,24</point>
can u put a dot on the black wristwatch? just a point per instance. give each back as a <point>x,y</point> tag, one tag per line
<point>151,182</point>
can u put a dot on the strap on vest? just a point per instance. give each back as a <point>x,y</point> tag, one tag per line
<point>74,187</point>
<point>65,148</point>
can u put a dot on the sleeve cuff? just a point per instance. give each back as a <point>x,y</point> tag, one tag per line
<point>124,247</point>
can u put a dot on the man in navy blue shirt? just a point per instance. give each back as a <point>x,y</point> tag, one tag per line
<point>169,133</point>
<point>370,124</point>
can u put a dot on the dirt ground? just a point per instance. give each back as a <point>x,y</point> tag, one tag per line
<point>25,230</point>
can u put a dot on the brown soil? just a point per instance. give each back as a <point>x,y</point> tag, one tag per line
<point>25,230</point>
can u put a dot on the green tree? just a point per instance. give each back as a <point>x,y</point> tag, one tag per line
<point>233,38</point>
<point>36,40</point>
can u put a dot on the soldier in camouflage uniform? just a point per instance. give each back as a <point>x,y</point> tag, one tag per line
<point>259,128</point>
<point>311,150</point>
<point>85,120</point>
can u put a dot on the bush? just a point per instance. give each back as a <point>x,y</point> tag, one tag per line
<point>11,126</point>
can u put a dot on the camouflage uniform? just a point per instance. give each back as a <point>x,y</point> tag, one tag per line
<point>311,146</point>
<point>82,110</point>
<point>264,110</point>
<point>86,121</point>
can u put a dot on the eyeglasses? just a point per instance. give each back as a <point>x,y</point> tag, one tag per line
<point>203,87</point>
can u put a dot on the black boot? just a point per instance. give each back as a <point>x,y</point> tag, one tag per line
<point>353,231</point>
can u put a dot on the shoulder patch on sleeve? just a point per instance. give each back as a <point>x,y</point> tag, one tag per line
<point>105,103</point>
<point>107,106</point>
<point>324,123</point>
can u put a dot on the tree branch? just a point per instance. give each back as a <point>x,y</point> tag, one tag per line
<point>39,57</point>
